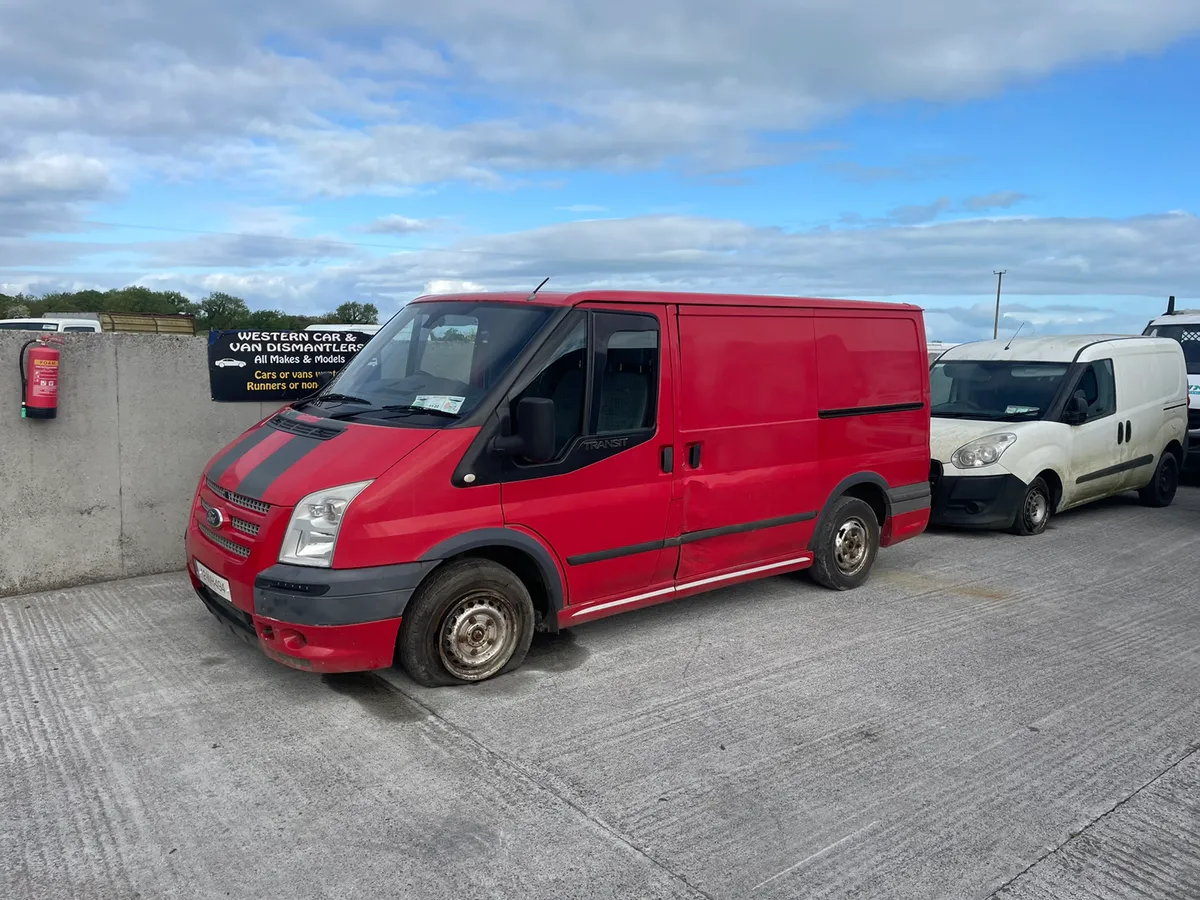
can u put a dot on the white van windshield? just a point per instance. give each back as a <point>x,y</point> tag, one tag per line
<point>1188,337</point>
<point>994,390</point>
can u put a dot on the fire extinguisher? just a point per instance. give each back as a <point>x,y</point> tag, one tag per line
<point>39,379</point>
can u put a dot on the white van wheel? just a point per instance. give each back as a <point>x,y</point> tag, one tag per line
<point>1160,491</point>
<point>1034,511</point>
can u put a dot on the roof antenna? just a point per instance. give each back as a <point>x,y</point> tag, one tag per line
<point>1171,305</point>
<point>1014,337</point>
<point>538,288</point>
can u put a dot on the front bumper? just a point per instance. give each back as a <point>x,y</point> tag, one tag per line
<point>976,501</point>
<point>317,620</point>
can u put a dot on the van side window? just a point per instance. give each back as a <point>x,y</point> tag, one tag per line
<point>1099,388</point>
<point>563,379</point>
<point>627,380</point>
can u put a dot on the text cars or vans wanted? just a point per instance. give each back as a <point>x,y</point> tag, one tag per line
<point>1033,426</point>
<point>489,465</point>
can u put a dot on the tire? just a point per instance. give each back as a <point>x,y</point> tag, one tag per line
<point>479,602</point>
<point>1160,491</point>
<point>845,545</point>
<point>1035,509</point>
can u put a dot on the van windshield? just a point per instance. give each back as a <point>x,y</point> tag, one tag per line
<point>1188,337</point>
<point>432,363</point>
<point>994,390</point>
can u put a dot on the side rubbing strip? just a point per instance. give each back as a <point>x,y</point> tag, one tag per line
<point>264,474</point>
<point>1115,470</point>
<point>243,446</point>
<point>583,559</point>
<point>1180,405</point>
<point>908,498</point>
<point>869,410</point>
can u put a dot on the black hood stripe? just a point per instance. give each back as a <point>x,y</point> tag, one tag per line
<point>262,476</point>
<point>241,447</point>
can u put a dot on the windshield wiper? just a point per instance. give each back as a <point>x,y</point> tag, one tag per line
<point>409,408</point>
<point>400,408</point>
<point>340,398</point>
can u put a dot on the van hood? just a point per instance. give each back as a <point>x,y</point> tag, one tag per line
<point>285,458</point>
<point>947,435</point>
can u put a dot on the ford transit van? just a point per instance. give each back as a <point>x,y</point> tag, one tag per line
<point>1030,427</point>
<point>490,465</point>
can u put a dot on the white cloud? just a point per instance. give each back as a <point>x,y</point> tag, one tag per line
<point>398,225</point>
<point>616,84</point>
<point>1084,258</point>
<point>996,200</point>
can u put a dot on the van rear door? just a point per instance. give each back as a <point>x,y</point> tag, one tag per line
<point>747,437</point>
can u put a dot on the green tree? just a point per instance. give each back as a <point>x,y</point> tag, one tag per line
<point>355,314</point>
<point>221,311</point>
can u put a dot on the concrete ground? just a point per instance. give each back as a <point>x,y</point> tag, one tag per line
<point>990,716</point>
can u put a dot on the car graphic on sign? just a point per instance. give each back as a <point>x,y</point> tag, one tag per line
<point>223,363</point>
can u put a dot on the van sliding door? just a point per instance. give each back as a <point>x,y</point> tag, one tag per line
<point>746,438</point>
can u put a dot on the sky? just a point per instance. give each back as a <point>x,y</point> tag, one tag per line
<point>301,154</point>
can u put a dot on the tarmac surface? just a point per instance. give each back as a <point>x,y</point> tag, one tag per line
<point>990,716</point>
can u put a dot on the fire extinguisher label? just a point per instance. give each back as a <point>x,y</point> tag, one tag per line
<point>44,380</point>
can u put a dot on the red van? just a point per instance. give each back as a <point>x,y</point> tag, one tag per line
<point>494,464</point>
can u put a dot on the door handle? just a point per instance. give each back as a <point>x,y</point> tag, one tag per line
<point>694,456</point>
<point>668,459</point>
<point>1128,430</point>
<point>1120,432</point>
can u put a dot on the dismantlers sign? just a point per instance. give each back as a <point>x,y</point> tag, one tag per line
<point>248,366</point>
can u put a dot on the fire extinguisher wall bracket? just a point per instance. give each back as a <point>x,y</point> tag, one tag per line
<point>39,365</point>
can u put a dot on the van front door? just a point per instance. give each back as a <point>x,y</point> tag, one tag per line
<point>602,503</point>
<point>1097,467</point>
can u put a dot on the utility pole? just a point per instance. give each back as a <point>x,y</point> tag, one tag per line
<point>999,281</point>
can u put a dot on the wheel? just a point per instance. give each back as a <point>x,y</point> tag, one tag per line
<point>469,621</point>
<point>1034,511</point>
<point>845,545</point>
<point>1161,489</point>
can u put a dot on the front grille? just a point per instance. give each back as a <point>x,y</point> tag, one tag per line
<point>238,499</point>
<point>305,429</point>
<point>232,546</point>
<point>245,527</point>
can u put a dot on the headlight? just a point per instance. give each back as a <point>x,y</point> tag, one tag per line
<point>313,530</point>
<point>982,451</point>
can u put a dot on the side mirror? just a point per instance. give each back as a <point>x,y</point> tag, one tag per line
<point>1076,411</point>
<point>533,436</point>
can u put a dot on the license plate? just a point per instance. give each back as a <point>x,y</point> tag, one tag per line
<point>213,581</point>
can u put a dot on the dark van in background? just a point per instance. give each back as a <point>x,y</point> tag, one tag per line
<point>494,464</point>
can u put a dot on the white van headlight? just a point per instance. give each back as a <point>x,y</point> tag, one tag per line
<point>313,530</point>
<point>982,451</point>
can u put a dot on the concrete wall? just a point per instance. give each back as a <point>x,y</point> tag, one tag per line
<point>103,490</point>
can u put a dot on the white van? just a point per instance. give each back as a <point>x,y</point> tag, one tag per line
<point>50,324</point>
<point>1033,426</point>
<point>1184,326</point>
